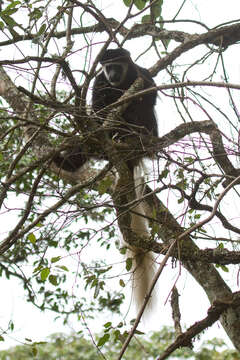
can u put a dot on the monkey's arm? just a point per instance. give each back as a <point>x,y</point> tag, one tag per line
<point>103,94</point>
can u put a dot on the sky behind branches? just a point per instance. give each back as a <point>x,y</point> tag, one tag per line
<point>28,320</point>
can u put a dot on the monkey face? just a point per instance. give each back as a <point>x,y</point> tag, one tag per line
<point>115,72</point>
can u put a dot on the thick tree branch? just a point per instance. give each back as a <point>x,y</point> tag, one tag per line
<point>206,275</point>
<point>221,37</point>
<point>18,103</point>
<point>218,307</point>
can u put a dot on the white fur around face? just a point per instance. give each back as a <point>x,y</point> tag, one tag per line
<point>124,67</point>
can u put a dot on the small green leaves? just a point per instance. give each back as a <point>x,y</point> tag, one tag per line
<point>121,283</point>
<point>123,250</point>
<point>62,267</point>
<point>55,259</point>
<point>108,324</point>
<point>222,267</point>
<point>157,9</point>
<point>53,280</point>
<point>41,30</point>
<point>11,325</point>
<point>44,274</point>
<point>146,19</point>
<point>129,263</point>
<point>127,2</point>
<point>32,238</point>
<point>103,340</point>
<point>10,7</point>
<point>140,4</point>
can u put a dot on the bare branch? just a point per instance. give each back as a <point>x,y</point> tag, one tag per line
<point>218,307</point>
<point>176,315</point>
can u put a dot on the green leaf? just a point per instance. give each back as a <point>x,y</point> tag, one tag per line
<point>102,271</point>
<point>189,159</point>
<point>11,325</point>
<point>44,274</point>
<point>39,225</point>
<point>62,267</point>
<point>123,250</point>
<point>36,14</point>
<point>55,259</point>
<point>42,30</point>
<point>127,2</point>
<point>8,20</point>
<point>224,268</point>
<point>164,174</point>
<point>103,340</point>
<point>9,12</point>
<point>39,267</point>
<point>146,19</point>
<point>121,283</point>
<point>209,196</point>
<point>129,263</point>
<point>116,335</point>
<point>108,324</point>
<point>32,238</point>
<point>96,291</point>
<point>2,338</point>
<point>140,4</point>
<point>13,4</point>
<point>138,332</point>
<point>157,9</point>
<point>53,280</point>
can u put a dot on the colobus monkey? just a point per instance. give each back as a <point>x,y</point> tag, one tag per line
<point>118,73</point>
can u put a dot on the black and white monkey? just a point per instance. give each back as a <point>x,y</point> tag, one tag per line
<point>118,73</point>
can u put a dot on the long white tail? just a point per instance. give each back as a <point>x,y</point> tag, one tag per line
<point>143,262</point>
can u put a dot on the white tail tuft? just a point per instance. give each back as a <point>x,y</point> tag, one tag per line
<point>143,262</point>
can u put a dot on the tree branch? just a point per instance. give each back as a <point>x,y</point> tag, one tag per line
<point>218,307</point>
<point>201,271</point>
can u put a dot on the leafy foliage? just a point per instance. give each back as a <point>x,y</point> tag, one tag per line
<point>70,347</point>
